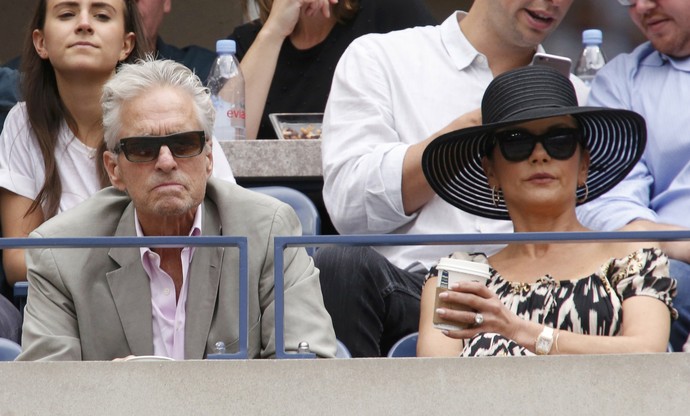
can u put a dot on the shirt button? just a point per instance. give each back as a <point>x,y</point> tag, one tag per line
<point>481,59</point>
<point>166,291</point>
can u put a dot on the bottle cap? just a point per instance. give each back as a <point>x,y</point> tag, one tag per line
<point>226,46</point>
<point>592,37</point>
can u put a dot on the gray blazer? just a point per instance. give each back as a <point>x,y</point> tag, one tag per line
<point>95,303</point>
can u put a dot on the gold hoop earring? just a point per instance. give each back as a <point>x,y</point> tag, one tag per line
<point>584,198</point>
<point>496,195</point>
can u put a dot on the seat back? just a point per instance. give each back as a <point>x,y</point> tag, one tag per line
<point>303,206</point>
<point>9,350</point>
<point>342,351</point>
<point>405,347</point>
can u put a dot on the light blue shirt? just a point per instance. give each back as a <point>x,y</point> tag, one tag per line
<point>658,187</point>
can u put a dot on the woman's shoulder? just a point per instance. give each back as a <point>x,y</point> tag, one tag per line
<point>16,129</point>
<point>244,35</point>
<point>639,261</point>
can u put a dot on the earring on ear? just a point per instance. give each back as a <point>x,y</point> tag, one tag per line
<point>584,198</point>
<point>496,195</point>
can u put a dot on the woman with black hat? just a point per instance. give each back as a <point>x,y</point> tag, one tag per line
<point>536,157</point>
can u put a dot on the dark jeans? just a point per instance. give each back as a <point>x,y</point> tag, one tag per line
<point>681,326</point>
<point>372,302</point>
<point>10,321</point>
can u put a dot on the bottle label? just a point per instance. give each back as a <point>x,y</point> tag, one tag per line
<point>229,119</point>
<point>236,116</point>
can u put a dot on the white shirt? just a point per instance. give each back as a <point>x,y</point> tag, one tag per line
<point>391,91</point>
<point>22,169</point>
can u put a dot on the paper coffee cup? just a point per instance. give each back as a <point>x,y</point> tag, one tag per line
<point>451,271</point>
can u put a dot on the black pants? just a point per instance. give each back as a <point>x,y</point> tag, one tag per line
<point>372,302</point>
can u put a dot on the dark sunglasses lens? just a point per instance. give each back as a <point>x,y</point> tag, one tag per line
<point>562,144</point>
<point>146,149</point>
<point>518,145</point>
<point>141,149</point>
<point>515,145</point>
<point>186,144</point>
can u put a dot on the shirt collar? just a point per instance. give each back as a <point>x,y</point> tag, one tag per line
<point>459,48</point>
<point>682,64</point>
<point>193,232</point>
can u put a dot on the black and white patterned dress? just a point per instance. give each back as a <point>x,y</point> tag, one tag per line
<point>589,305</point>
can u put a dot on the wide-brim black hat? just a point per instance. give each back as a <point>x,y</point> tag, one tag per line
<point>452,163</point>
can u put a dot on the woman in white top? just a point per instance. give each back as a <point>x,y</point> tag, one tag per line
<point>51,145</point>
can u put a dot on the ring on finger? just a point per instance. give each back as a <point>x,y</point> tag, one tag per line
<point>478,319</point>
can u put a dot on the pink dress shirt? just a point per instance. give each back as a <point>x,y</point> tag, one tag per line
<point>168,316</point>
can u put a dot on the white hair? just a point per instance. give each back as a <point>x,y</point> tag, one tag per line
<point>135,79</point>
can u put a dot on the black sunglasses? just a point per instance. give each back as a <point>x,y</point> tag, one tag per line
<point>141,149</point>
<point>518,145</point>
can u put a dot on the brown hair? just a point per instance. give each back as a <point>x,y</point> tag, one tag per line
<point>343,11</point>
<point>45,108</point>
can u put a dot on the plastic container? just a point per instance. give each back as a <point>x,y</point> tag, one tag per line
<point>592,58</point>
<point>451,271</point>
<point>226,84</point>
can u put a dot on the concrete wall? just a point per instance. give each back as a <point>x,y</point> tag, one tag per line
<point>631,385</point>
<point>202,21</point>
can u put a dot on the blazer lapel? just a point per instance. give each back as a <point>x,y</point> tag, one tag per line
<point>204,280</point>
<point>131,290</point>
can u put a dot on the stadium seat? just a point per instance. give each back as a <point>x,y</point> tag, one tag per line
<point>405,347</point>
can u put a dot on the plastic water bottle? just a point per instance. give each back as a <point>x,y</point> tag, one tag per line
<point>227,93</point>
<point>592,58</point>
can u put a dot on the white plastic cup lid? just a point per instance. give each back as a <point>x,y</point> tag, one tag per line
<point>464,266</point>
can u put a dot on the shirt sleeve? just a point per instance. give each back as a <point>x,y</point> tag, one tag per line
<point>644,273</point>
<point>630,199</point>
<point>361,150</point>
<point>50,330</point>
<point>21,162</point>
<point>221,165</point>
<point>304,314</point>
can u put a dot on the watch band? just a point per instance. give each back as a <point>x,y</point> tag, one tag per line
<point>542,346</point>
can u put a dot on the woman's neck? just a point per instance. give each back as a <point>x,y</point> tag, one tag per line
<point>82,97</point>
<point>311,30</point>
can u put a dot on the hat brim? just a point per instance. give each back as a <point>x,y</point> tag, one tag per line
<point>452,163</point>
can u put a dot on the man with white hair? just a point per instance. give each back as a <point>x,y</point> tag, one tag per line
<point>177,302</point>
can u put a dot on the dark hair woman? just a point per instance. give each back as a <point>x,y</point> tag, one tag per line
<point>536,157</point>
<point>50,158</point>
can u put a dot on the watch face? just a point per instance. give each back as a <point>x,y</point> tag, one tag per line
<point>543,346</point>
<point>544,341</point>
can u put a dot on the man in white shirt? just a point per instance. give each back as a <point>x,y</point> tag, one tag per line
<point>391,95</point>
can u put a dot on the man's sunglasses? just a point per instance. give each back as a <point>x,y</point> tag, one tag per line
<point>627,2</point>
<point>141,149</point>
<point>518,145</point>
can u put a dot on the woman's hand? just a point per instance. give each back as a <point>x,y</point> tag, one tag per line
<point>497,318</point>
<point>285,14</point>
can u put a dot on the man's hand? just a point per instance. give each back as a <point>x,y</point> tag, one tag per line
<point>416,191</point>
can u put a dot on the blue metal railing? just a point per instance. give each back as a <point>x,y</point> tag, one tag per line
<point>281,243</point>
<point>201,241</point>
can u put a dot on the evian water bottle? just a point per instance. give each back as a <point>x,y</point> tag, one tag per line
<point>226,84</point>
<point>592,58</point>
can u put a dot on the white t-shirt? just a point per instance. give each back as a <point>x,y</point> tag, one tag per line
<point>22,170</point>
<point>390,91</point>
